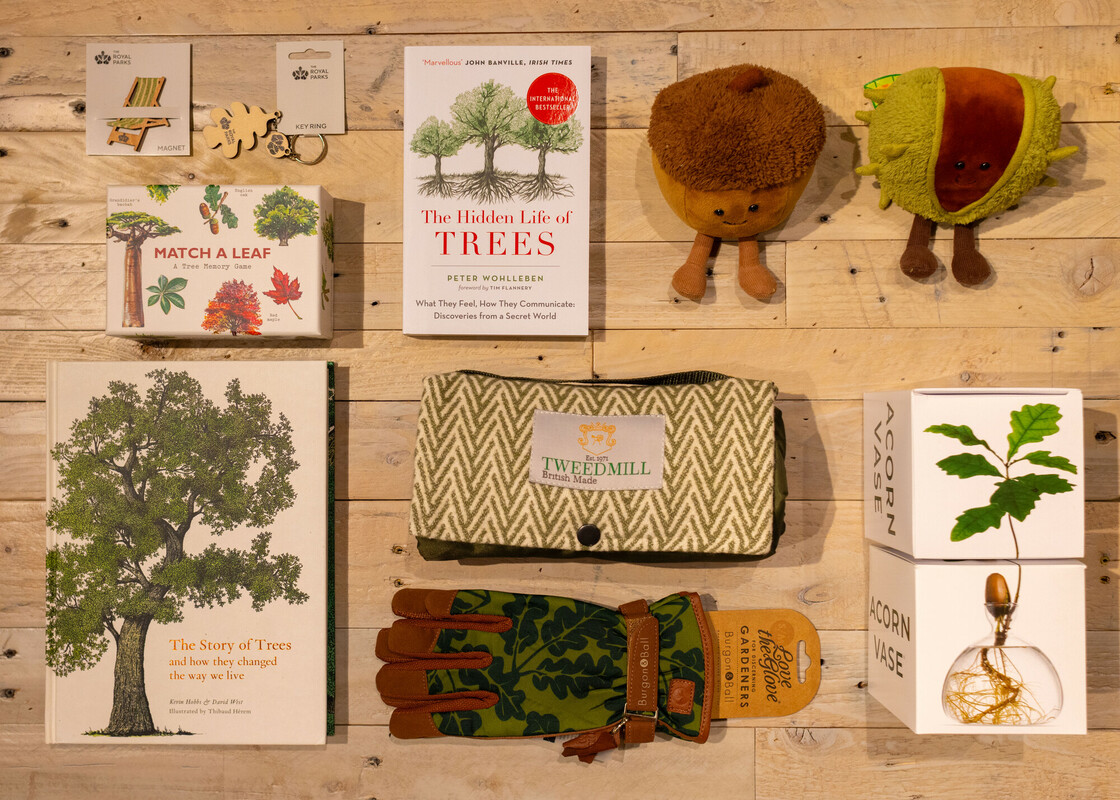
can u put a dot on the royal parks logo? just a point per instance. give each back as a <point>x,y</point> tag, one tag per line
<point>102,58</point>
<point>299,73</point>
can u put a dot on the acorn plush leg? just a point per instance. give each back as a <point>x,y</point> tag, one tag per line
<point>756,280</point>
<point>691,280</point>
<point>969,267</point>
<point>917,261</point>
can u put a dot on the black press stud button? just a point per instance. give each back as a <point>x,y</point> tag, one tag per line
<point>588,535</point>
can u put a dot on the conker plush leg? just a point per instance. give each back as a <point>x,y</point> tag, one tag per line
<point>917,260</point>
<point>756,280</point>
<point>691,280</point>
<point>969,267</point>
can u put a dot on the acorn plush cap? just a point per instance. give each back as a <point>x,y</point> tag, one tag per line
<point>742,127</point>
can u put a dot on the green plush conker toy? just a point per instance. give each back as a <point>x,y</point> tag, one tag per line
<point>955,145</point>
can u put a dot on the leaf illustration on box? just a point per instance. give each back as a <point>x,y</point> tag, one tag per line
<point>166,293</point>
<point>235,309</point>
<point>284,291</point>
<point>1014,496</point>
<point>215,207</point>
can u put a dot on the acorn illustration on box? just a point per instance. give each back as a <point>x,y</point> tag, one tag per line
<point>733,150</point>
<point>954,146</point>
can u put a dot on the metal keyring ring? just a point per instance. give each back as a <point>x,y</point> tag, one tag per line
<point>295,156</point>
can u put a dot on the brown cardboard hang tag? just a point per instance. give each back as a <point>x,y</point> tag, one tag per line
<point>768,660</point>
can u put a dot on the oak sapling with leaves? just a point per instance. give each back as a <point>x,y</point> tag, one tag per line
<point>1014,496</point>
<point>984,685</point>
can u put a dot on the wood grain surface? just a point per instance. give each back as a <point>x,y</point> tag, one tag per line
<point>844,321</point>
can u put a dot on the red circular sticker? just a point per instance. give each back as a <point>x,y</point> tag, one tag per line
<point>552,98</point>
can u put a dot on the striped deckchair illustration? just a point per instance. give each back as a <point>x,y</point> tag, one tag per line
<point>131,130</point>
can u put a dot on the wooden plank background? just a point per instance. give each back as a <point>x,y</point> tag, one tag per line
<point>844,321</point>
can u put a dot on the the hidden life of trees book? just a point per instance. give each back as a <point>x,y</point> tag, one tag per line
<point>188,532</point>
<point>497,145</point>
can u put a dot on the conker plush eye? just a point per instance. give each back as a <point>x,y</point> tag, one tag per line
<point>718,212</point>
<point>985,165</point>
<point>753,207</point>
<point>959,165</point>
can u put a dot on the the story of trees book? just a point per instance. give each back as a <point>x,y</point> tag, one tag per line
<point>188,553</point>
<point>497,145</point>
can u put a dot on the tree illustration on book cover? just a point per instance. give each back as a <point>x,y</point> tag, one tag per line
<point>134,228</point>
<point>985,685</point>
<point>285,213</point>
<point>234,309</point>
<point>141,476</point>
<point>435,138</point>
<point>491,116</point>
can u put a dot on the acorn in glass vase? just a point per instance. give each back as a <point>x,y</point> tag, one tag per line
<point>1001,680</point>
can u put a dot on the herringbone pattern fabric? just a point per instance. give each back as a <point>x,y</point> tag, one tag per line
<point>472,464</point>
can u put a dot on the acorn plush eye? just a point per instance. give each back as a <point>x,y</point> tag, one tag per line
<point>718,212</point>
<point>959,165</point>
<point>985,165</point>
<point>752,207</point>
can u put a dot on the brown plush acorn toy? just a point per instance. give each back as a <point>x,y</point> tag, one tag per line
<point>733,149</point>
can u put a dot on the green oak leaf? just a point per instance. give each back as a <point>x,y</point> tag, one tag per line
<point>962,433</point>
<point>1032,424</point>
<point>1015,497</point>
<point>1043,458</point>
<point>975,520</point>
<point>458,723</point>
<point>1045,483</point>
<point>537,724</point>
<point>969,465</point>
<point>563,676</point>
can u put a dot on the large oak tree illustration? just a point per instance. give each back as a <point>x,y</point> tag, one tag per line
<point>134,228</point>
<point>488,116</point>
<point>137,474</point>
<point>284,214</point>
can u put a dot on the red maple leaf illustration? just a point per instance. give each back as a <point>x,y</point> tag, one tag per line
<point>286,291</point>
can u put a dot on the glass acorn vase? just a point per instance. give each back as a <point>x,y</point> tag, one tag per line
<point>1001,680</point>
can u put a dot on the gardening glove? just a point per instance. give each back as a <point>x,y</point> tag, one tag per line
<point>493,664</point>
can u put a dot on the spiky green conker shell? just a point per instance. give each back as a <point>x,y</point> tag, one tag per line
<point>905,137</point>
